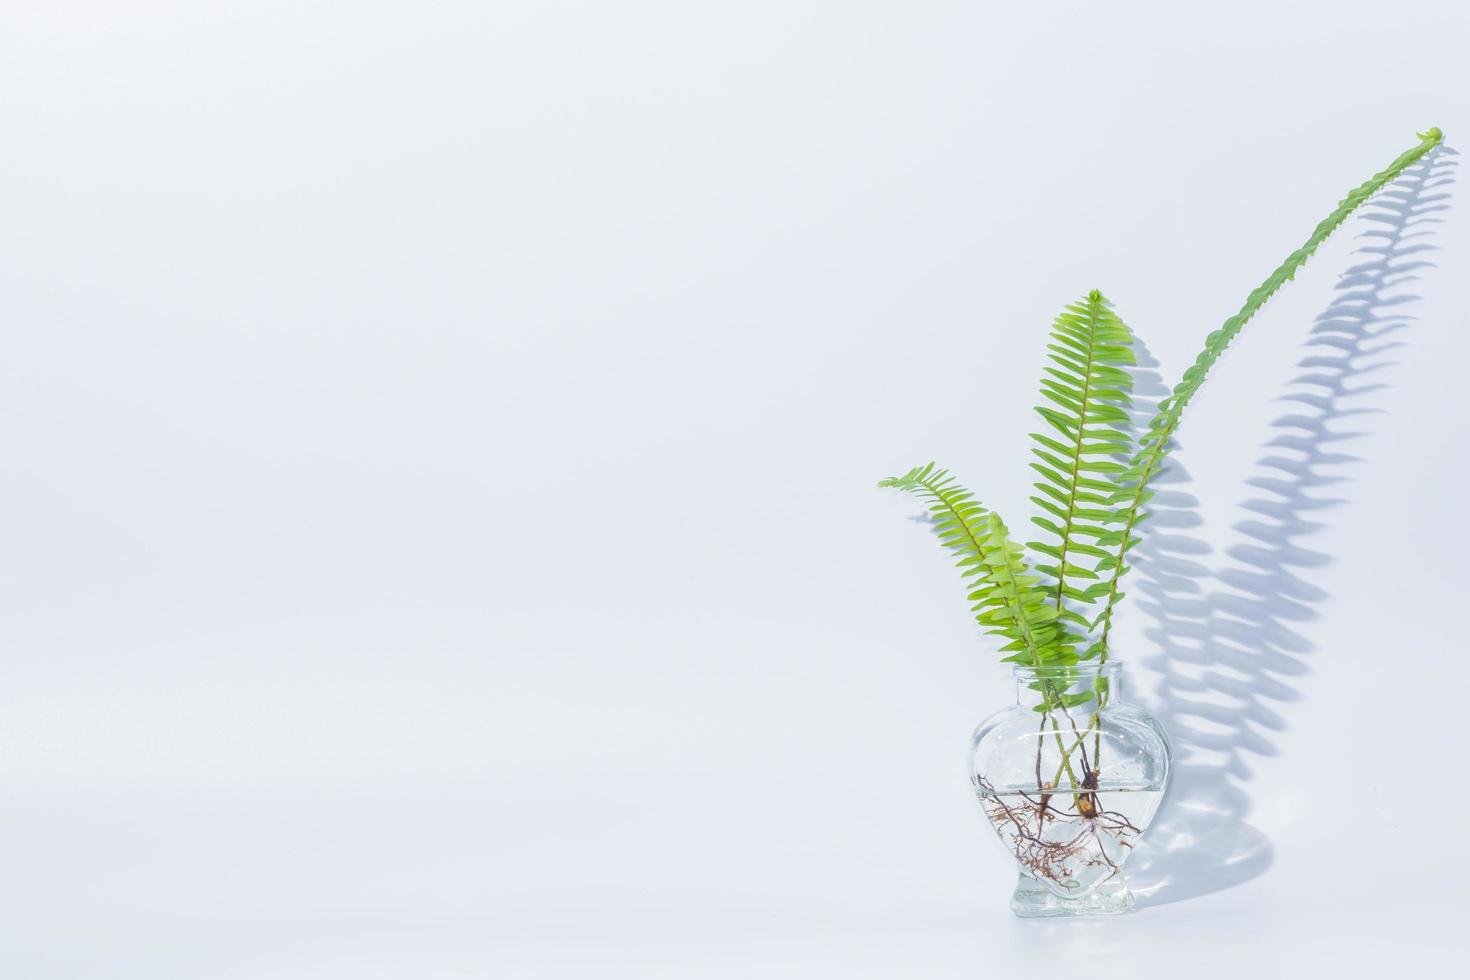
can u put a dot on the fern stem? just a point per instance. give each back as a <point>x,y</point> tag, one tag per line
<point>1166,421</point>
<point>1112,599</point>
<point>1066,755</point>
<point>1095,726</point>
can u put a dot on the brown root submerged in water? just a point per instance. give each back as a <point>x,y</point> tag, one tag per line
<point>1023,825</point>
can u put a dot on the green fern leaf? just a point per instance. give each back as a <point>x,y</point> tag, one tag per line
<point>1094,349</point>
<point>1007,597</point>
<point>1153,446</point>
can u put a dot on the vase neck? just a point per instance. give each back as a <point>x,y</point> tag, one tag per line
<point>1083,687</point>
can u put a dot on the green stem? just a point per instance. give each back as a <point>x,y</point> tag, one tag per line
<point>1094,728</point>
<point>1066,756</point>
<point>1133,514</point>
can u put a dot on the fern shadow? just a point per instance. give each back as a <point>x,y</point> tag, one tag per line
<point>1226,630</point>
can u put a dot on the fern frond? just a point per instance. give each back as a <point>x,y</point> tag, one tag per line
<point>1007,598</point>
<point>1154,444</point>
<point>1089,394</point>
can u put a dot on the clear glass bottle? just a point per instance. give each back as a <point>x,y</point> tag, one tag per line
<point>1070,778</point>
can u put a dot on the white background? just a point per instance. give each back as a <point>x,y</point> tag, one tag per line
<point>439,445</point>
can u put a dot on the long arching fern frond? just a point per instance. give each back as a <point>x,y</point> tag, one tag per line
<point>1134,492</point>
<point>1008,599</point>
<point>1088,388</point>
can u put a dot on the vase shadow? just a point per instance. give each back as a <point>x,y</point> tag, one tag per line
<point>1225,630</point>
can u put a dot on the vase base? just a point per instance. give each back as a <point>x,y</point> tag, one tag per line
<point>1034,900</point>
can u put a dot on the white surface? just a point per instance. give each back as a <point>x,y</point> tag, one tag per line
<point>439,445</point>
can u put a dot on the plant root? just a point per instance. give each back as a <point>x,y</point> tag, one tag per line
<point>1024,820</point>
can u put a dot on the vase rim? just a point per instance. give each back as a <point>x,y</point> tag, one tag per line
<point>1070,670</point>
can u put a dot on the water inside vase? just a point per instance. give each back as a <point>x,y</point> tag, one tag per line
<point>1070,841</point>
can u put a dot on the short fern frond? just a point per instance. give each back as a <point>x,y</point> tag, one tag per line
<point>1007,598</point>
<point>1089,392</point>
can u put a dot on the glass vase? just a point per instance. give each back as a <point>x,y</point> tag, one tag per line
<point>1070,778</point>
